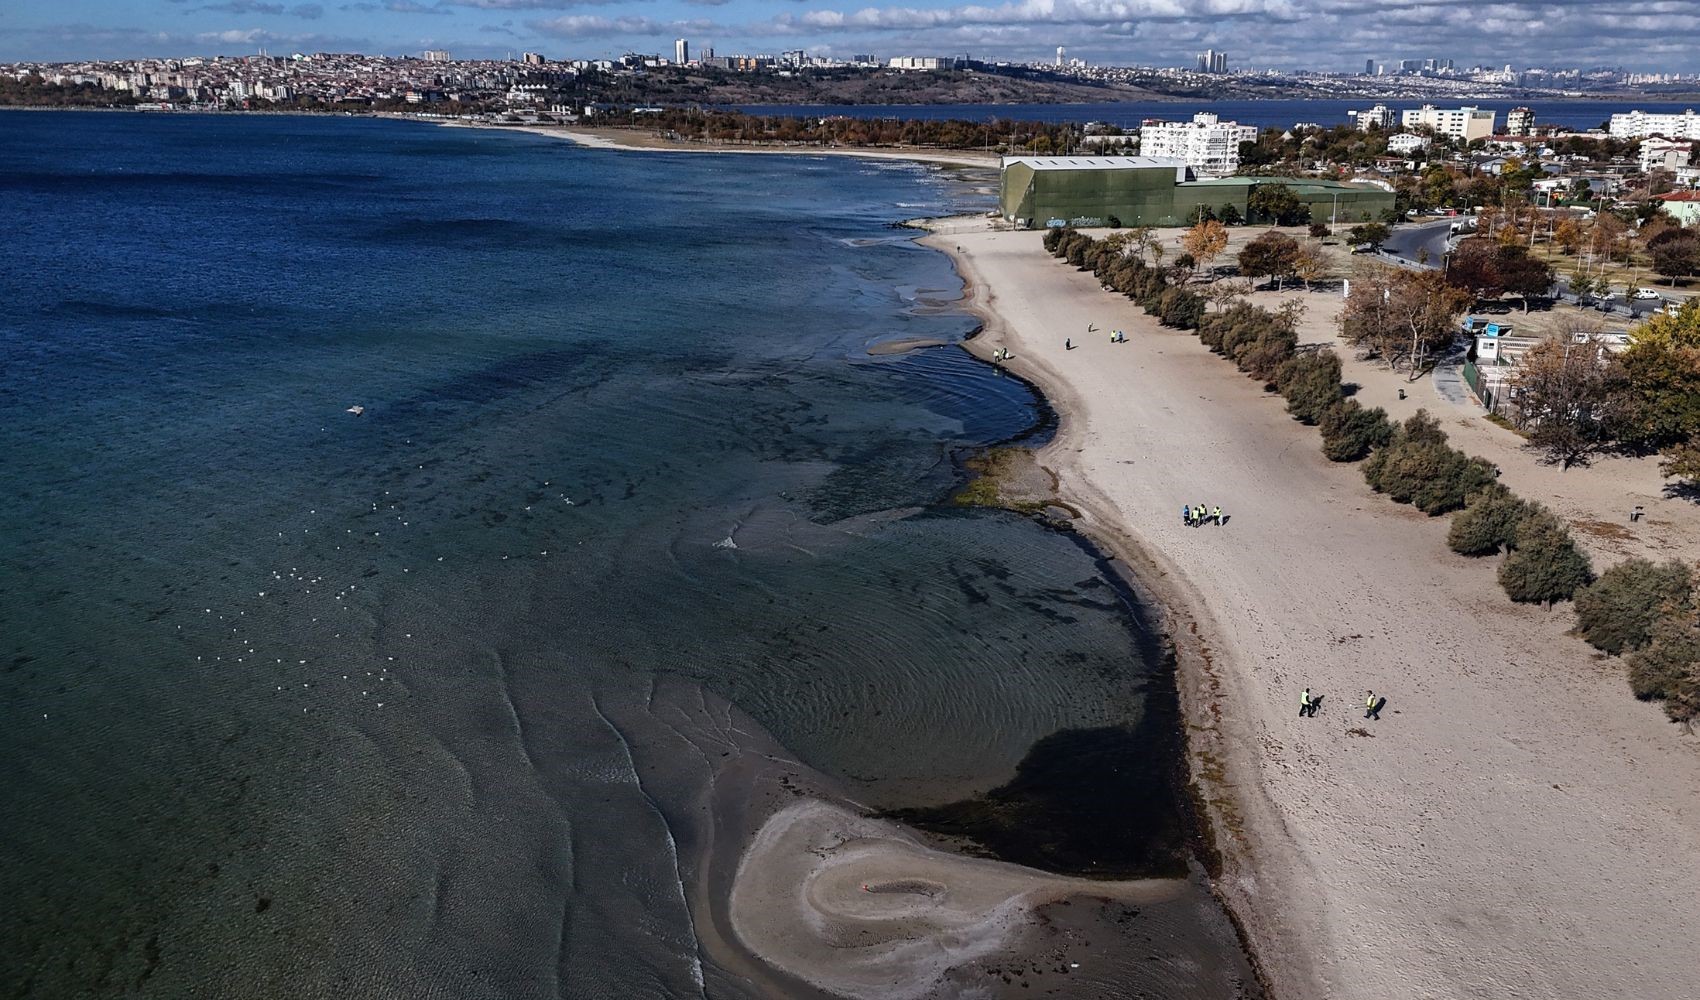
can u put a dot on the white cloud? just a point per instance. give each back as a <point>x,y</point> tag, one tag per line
<point>594,26</point>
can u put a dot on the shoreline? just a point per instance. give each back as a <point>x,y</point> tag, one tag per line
<point>1457,845</point>
<point>1157,587</point>
<point>628,140</point>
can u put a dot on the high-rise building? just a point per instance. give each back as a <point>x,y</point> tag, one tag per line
<point>1059,57</point>
<point>1209,145</point>
<point>1211,61</point>
<point>1519,121</point>
<point>533,59</point>
<point>436,55</point>
<point>1369,67</point>
<point>681,51</point>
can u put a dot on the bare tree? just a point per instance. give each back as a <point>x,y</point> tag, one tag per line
<point>1564,394</point>
<point>1311,264</point>
<point>1398,315</point>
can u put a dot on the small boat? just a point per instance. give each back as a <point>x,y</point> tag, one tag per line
<point>357,410</point>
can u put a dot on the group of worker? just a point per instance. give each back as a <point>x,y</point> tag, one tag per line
<point>1308,704</point>
<point>1118,337</point>
<point>1194,516</point>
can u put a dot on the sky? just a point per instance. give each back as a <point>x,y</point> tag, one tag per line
<point>1644,35</point>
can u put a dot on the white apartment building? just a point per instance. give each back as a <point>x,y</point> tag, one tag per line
<point>1664,154</point>
<point>1380,116</point>
<point>681,51</point>
<point>1405,143</point>
<point>1520,121</point>
<point>1464,124</point>
<point>1639,124</point>
<point>1208,145</point>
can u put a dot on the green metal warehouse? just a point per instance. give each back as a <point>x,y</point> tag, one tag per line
<point>1041,191</point>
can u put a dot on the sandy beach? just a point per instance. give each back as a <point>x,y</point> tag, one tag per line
<point>1515,824</point>
<point>633,140</point>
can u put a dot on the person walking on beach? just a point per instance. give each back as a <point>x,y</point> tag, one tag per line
<point>1372,707</point>
<point>1306,707</point>
<point>1199,514</point>
<point>1186,515</point>
<point>1216,514</point>
<point>1068,343</point>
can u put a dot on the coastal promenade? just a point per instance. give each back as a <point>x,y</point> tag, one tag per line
<point>1514,825</point>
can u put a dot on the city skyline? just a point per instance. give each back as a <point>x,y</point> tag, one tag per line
<point>1255,33</point>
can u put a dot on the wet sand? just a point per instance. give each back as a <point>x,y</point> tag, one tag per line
<point>796,891</point>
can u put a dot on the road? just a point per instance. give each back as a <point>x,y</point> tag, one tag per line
<point>1618,306</point>
<point>1408,241</point>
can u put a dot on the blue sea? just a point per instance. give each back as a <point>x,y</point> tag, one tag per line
<point>299,703</point>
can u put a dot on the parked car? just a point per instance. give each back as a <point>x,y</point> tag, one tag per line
<point>1647,293</point>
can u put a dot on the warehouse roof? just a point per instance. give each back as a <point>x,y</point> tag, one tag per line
<point>1094,162</point>
<point>1296,183</point>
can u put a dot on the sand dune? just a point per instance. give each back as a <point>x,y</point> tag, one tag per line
<point>1515,825</point>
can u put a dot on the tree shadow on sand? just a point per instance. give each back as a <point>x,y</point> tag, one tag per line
<point>1683,490</point>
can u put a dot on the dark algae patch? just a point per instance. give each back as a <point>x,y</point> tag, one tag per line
<point>1103,802</point>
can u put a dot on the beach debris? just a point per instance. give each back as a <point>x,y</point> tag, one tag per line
<point>726,543</point>
<point>356,409</point>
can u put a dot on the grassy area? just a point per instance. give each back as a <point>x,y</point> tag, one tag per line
<point>1637,273</point>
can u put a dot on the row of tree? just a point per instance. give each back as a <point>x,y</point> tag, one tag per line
<point>1412,462</point>
<point>727,126</point>
<point>1120,263</point>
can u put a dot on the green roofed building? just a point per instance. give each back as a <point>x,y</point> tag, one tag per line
<point>1041,191</point>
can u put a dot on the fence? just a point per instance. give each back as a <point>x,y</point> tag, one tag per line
<point>1478,385</point>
